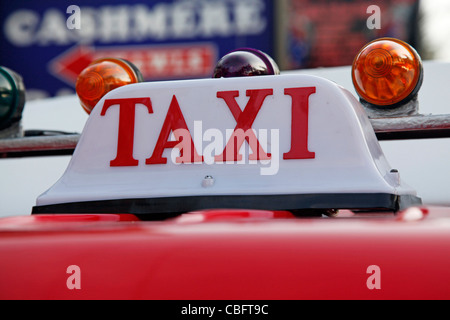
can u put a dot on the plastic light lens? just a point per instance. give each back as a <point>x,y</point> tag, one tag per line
<point>102,76</point>
<point>387,71</point>
<point>12,97</point>
<point>245,62</point>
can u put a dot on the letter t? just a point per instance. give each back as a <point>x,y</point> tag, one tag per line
<point>125,140</point>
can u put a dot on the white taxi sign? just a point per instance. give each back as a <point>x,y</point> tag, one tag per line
<point>280,142</point>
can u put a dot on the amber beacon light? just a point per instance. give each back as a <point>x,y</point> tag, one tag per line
<point>102,76</point>
<point>387,72</point>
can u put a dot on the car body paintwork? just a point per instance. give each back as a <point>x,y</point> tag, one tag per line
<point>227,254</point>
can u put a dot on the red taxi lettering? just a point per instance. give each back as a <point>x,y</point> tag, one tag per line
<point>244,120</point>
<point>125,139</point>
<point>299,123</point>
<point>176,123</point>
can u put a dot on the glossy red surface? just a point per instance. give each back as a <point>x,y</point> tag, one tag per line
<point>227,254</point>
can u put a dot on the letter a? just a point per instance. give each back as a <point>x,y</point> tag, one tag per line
<point>374,21</point>
<point>374,281</point>
<point>74,21</point>
<point>173,123</point>
<point>74,281</point>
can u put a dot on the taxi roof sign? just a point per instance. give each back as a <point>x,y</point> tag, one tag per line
<point>284,142</point>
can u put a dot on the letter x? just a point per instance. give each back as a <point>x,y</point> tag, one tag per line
<point>244,120</point>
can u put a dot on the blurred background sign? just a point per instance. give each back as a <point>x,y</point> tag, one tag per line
<point>49,42</point>
<point>326,33</point>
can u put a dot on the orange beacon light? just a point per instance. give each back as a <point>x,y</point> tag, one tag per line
<point>102,76</point>
<point>387,72</point>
